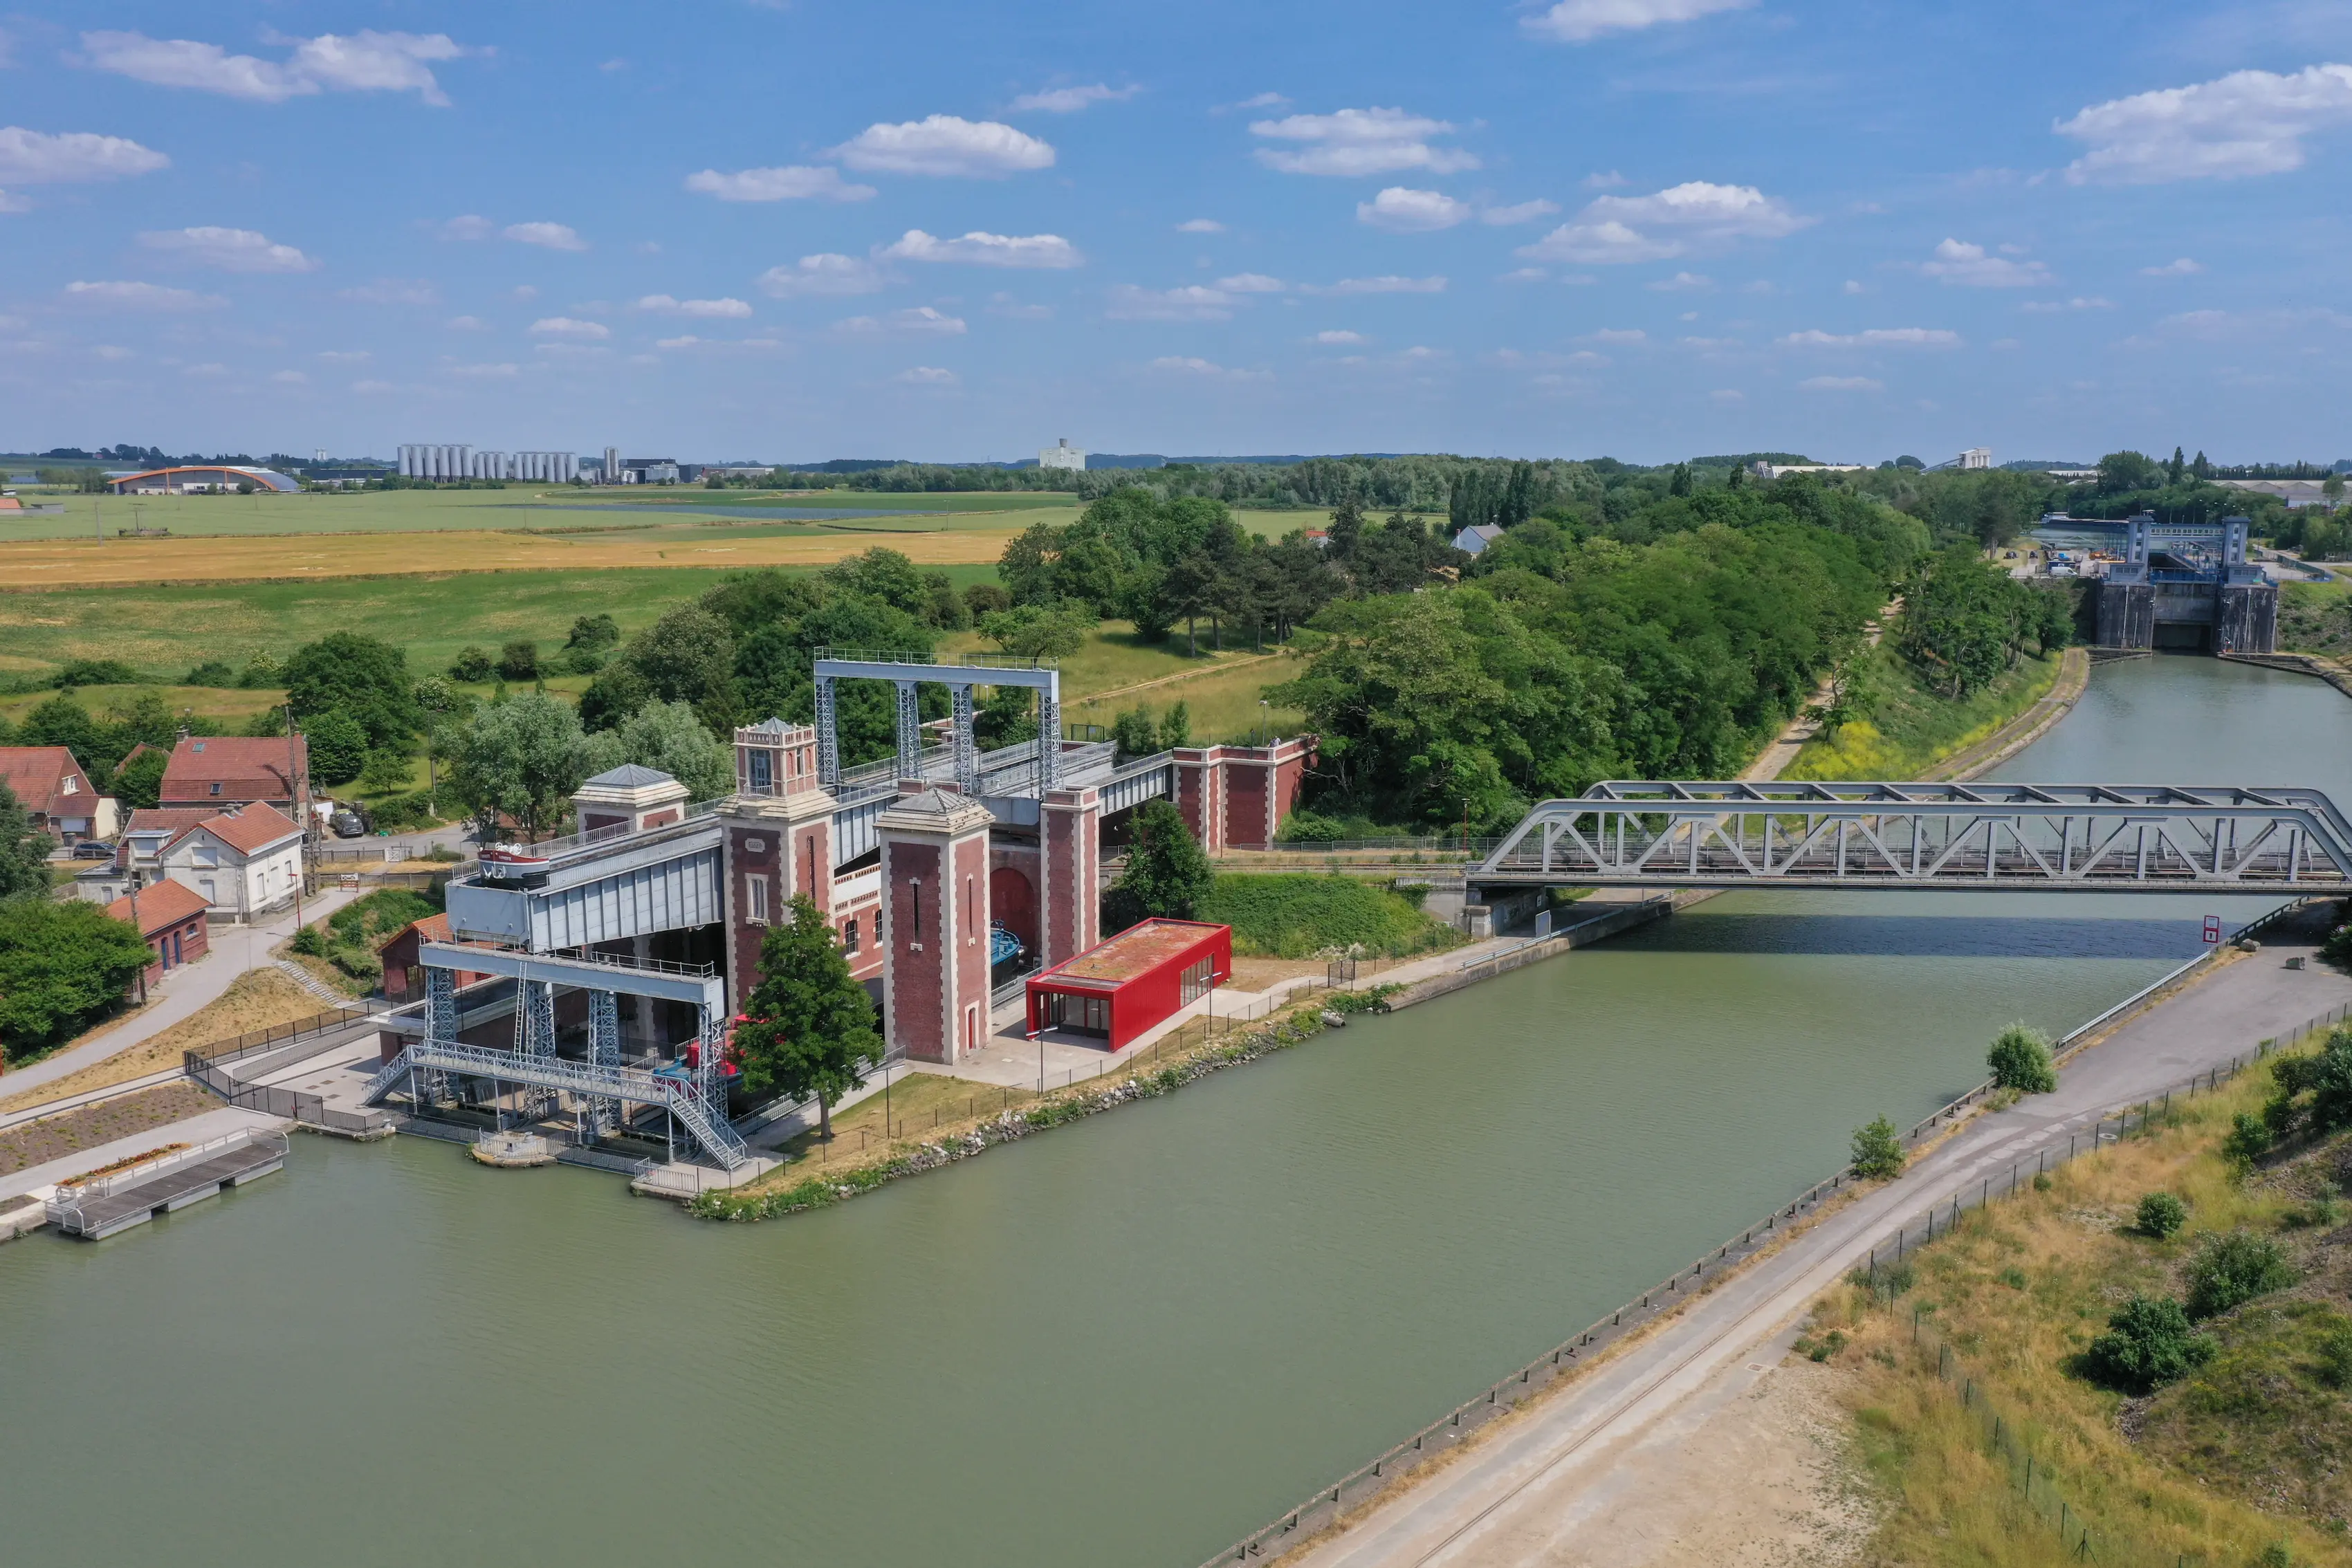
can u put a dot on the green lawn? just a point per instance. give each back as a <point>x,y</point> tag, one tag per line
<point>165,630</point>
<point>537,508</point>
<point>1911,726</point>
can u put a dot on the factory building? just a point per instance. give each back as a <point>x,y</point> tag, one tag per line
<point>446,463</point>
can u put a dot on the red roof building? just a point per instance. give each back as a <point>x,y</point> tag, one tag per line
<point>243,861</point>
<point>49,783</point>
<point>172,917</point>
<point>1133,982</point>
<point>219,770</point>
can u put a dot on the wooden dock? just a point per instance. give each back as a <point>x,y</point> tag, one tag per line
<point>106,1206</point>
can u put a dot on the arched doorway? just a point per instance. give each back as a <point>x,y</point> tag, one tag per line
<point>1012,904</point>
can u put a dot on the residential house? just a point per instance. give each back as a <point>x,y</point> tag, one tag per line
<point>1473,540</point>
<point>403,974</point>
<point>172,919</point>
<point>219,770</point>
<point>49,783</point>
<point>242,862</point>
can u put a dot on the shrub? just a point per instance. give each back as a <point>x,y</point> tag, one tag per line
<point>310,942</point>
<point>2147,1345</point>
<point>2020,1060</point>
<point>2230,1270</point>
<point>518,660</point>
<point>95,673</point>
<point>1299,914</point>
<point>2013,1277</point>
<point>2161,1215</point>
<point>2336,1358</point>
<point>1877,1151</point>
<point>359,964</point>
<point>212,673</point>
<point>1308,827</point>
<point>470,665</point>
<point>2338,948</point>
<point>2249,1138</point>
<point>394,813</point>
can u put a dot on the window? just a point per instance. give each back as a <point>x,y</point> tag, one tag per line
<point>1195,981</point>
<point>72,785</point>
<point>915,903</point>
<point>755,900</point>
<point>1078,1015</point>
<point>215,788</point>
<point>763,770</point>
<point>849,936</point>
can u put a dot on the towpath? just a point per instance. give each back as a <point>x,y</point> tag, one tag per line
<point>1549,1483</point>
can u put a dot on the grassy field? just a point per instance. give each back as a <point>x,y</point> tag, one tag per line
<point>1273,524</point>
<point>165,630</point>
<point>2219,1468</point>
<point>1910,726</point>
<point>230,709</point>
<point>1223,704</point>
<point>420,511</point>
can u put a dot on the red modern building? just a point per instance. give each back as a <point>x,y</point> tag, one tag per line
<point>1120,989</point>
<point>172,919</point>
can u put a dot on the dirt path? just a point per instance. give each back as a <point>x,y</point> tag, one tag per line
<point>1596,1461</point>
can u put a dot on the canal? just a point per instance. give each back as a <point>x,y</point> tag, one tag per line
<point>1127,1342</point>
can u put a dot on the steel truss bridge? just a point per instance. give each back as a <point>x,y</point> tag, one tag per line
<point>2078,837</point>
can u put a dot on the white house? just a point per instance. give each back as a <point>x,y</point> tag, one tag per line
<point>242,862</point>
<point>1064,455</point>
<point>1473,540</point>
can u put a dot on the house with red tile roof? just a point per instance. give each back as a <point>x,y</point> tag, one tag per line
<point>219,770</point>
<point>172,919</point>
<point>50,784</point>
<point>242,862</point>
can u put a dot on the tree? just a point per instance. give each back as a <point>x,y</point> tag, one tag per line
<point>521,759</point>
<point>1135,733</point>
<point>2020,1060</point>
<point>1168,874</point>
<point>597,633</point>
<point>884,575</point>
<point>61,965</point>
<point>613,696</point>
<point>1176,728</point>
<point>339,746</point>
<point>368,679</point>
<point>1347,528</point>
<point>807,1028</point>
<point>471,666</point>
<point>61,721</point>
<point>139,782</point>
<point>669,737</point>
<point>1188,590</point>
<point>2147,1345</point>
<point>519,661</point>
<point>384,772</point>
<point>23,849</point>
<point>2126,471</point>
<point>689,656</point>
<point>1039,632</point>
<point>1877,1150</point>
<point>2176,468</point>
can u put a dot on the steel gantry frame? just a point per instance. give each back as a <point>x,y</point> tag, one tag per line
<point>2091,838</point>
<point>906,672</point>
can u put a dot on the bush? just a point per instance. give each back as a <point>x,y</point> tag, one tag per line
<point>2020,1060</point>
<point>2161,1215</point>
<point>395,812</point>
<point>2147,1345</point>
<point>94,673</point>
<point>212,673</point>
<point>470,665</point>
<point>1299,914</point>
<point>359,963</point>
<point>2249,1138</point>
<point>1877,1150</point>
<point>61,965</point>
<point>518,660</point>
<point>1308,827</point>
<point>2230,1270</point>
<point>2338,948</point>
<point>310,942</point>
<point>2336,1358</point>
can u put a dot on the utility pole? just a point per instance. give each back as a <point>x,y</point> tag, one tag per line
<point>137,927</point>
<point>297,787</point>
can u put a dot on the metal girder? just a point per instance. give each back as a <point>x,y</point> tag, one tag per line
<point>828,742</point>
<point>909,732</point>
<point>2099,838</point>
<point>678,1094</point>
<point>967,750</point>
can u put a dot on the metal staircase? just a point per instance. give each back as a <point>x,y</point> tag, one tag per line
<point>681,1098</point>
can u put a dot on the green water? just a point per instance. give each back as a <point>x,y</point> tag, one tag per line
<point>1127,1341</point>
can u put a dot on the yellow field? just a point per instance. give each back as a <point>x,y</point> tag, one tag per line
<point>60,563</point>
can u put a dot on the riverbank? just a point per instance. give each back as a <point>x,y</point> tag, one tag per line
<point>1914,732</point>
<point>1576,1457</point>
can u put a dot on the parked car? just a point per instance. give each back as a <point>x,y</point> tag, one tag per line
<point>348,825</point>
<point>93,850</point>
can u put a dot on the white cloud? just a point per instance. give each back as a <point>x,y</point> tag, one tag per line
<point>1070,99</point>
<point>795,182</point>
<point>10,203</point>
<point>1523,213</point>
<point>1875,338</point>
<point>1968,265</point>
<point>524,291</point>
<point>1250,282</point>
<point>826,272</point>
<point>1618,335</point>
<point>1682,283</point>
<point>943,144</point>
<point>496,372</point>
<point>1852,287</point>
<point>1403,210</point>
<point>1191,303</point>
<point>467,324</point>
<point>1580,21</point>
<point>2248,122</point>
<point>471,226</point>
<point>230,250</point>
<point>1727,395</point>
<point>1357,141</point>
<point>570,327</point>
<point>365,61</point>
<point>662,304</point>
<point>344,356</point>
<point>290,378</point>
<point>1840,383</point>
<point>1200,226</point>
<point>2179,266</point>
<point>1192,365</point>
<point>391,291</point>
<point>1013,309</point>
<point>1605,180</point>
<point>1337,338</point>
<point>983,249</point>
<point>1263,100</point>
<point>921,320</point>
<point>1525,275</point>
<point>1386,285</point>
<point>2080,302</point>
<point>928,376</point>
<point>687,342</point>
<point>34,158</point>
<point>1674,222</point>
<point>552,237</point>
<point>142,296</point>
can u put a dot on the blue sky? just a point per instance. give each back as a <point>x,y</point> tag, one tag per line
<point>714,228</point>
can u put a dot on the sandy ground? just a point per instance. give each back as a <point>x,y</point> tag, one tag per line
<point>73,563</point>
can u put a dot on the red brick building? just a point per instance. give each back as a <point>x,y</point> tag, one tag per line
<point>1132,983</point>
<point>233,770</point>
<point>935,923</point>
<point>172,917</point>
<point>1235,797</point>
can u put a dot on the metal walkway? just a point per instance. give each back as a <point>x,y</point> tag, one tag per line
<point>106,1206</point>
<point>680,1096</point>
<point>2084,838</point>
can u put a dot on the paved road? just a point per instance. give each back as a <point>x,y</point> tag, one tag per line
<point>1522,1496</point>
<point>235,949</point>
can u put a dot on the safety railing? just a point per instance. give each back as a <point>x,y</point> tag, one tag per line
<point>914,656</point>
<point>309,1109</point>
